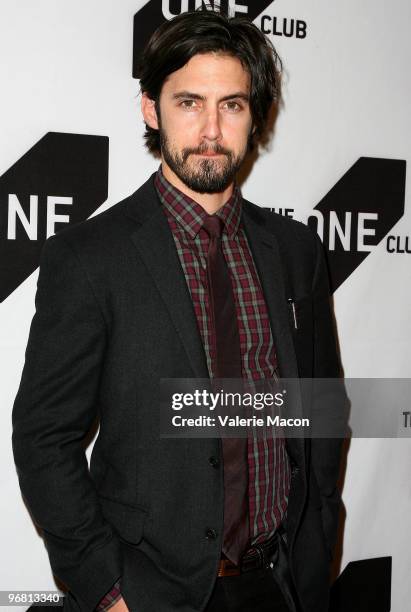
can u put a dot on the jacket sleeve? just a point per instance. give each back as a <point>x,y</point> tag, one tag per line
<point>55,406</point>
<point>330,405</point>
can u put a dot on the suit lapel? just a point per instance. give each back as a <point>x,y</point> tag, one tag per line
<point>265,250</point>
<point>155,245</point>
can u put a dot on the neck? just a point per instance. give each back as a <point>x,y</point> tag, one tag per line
<point>211,202</point>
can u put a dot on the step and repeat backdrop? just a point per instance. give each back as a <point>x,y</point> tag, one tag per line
<point>71,146</point>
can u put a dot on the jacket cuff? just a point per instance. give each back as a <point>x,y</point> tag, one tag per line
<point>93,578</point>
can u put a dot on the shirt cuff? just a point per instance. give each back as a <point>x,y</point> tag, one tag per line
<point>110,598</point>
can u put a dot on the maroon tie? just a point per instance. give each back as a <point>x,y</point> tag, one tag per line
<point>227,364</point>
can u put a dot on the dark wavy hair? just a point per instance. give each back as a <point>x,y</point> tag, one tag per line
<point>175,42</point>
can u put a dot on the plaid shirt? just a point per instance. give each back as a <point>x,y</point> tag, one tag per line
<point>268,464</point>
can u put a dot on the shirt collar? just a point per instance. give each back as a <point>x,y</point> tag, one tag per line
<point>190,215</point>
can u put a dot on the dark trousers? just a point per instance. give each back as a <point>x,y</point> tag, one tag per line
<point>268,589</point>
<point>254,591</point>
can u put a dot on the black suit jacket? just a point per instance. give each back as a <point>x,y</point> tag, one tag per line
<point>113,316</point>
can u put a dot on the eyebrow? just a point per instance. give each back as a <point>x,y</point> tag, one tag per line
<point>194,96</point>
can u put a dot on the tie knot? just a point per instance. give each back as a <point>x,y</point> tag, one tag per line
<point>214,226</point>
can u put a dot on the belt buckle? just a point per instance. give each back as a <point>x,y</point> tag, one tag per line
<point>263,562</point>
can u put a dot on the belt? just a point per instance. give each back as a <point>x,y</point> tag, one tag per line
<point>258,556</point>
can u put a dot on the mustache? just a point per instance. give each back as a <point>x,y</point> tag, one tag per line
<point>206,148</point>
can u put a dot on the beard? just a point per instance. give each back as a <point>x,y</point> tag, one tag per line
<point>205,175</point>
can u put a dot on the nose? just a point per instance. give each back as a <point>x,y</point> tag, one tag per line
<point>211,128</point>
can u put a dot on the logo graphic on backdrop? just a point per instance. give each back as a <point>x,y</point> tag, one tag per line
<point>155,12</point>
<point>60,181</point>
<point>289,27</point>
<point>358,212</point>
<point>363,585</point>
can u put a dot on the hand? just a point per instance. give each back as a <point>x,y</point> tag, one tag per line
<point>119,606</point>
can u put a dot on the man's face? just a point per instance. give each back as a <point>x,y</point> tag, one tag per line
<point>205,121</point>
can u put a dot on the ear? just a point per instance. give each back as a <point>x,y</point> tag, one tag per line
<point>149,111</point>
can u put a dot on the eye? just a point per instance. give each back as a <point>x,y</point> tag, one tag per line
<point>232,106</point>
<point>189,104</point>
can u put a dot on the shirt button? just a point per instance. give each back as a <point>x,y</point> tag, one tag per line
<point>210,534</point>
<point>214,462</point>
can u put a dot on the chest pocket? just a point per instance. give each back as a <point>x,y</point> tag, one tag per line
<point>300,314</point>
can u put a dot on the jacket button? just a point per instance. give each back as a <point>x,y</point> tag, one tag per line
<point>210,534</point>
<point>214,462</point>
<point>294,467</point>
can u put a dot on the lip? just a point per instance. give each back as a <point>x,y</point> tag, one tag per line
<point>209,154</point>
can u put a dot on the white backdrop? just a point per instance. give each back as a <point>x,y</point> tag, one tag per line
<point>66,67</point>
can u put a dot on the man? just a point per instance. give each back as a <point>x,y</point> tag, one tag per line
<point>183,279</point>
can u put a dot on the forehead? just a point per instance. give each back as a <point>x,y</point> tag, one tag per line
<point>209,72</point>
